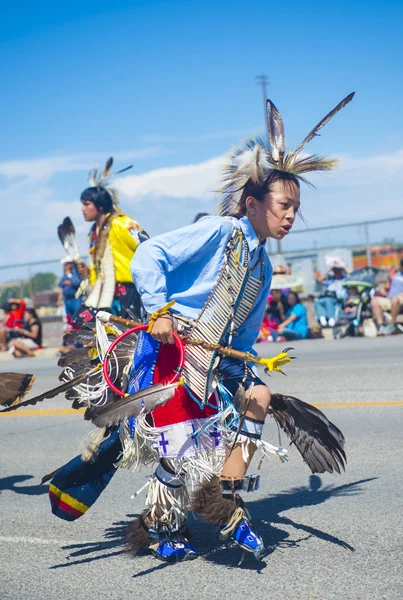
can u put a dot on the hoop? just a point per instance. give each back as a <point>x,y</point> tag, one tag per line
<point>122,337</point>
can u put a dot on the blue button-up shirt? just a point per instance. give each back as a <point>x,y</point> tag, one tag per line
<point>184,265</point>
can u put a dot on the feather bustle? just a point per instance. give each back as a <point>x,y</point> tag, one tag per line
<point>320,442</point>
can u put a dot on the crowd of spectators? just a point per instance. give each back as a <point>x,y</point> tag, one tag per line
<point>368,306</point>
<point>20,330</point>
<point>388,298</point>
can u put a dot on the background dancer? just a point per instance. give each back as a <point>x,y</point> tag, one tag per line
<point>113,240</point>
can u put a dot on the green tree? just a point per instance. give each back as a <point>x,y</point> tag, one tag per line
<point>388,241</point>
<point>42,282</point>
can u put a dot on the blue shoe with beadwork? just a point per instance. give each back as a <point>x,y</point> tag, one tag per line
<point>239,529</point>
<point>173,549</point>
<point>248,539</point>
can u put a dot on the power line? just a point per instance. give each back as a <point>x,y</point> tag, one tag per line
<point>343,225</point>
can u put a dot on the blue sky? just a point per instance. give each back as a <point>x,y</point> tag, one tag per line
<point>171,84</point>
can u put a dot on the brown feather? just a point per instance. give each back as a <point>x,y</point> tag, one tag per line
<point>210,504</point>
<point>86,337</point>
<point>60,389</point>
<point>144,401</point>
<point>107,168</point>
<point>325,120</point>
<point>13,387</point>
<point>320,442</point>
<point>275,127</point>
<point>137,535</point>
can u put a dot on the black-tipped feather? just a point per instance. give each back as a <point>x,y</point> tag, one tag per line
<point>60,389</point>
<point>275,127</point>
<point>325,120</point>
<point>107,167</point>
<point>76,356</point>
<point>130,406</point>
<point>123,170</point>
<point>49,476</point>
<point>67,236</point>
<point>320,442</point>
<point>86,337</point>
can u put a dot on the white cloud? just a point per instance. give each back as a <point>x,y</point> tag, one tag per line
<point>190,181</point>
<point>44,168</point>
<point>34,202</point>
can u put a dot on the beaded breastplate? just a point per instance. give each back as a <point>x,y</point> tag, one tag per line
<point>227,307</point>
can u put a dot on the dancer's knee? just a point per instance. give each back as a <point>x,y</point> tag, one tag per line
<point>259,402</point>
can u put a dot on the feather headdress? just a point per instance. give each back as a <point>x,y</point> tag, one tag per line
<point>257,159</point>
<point>98,178</point>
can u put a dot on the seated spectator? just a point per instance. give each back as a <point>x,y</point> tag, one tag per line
<point>29,337</point>
<point>295,325</point>
<point>277,307</point>
<point>389,298</point>
<point>326,304</point>
<point>14,318</point>
<point>69,284</point>
<point>16,314</point>
<point>352,302</point>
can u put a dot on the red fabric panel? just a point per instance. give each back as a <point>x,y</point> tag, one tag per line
<point>181,407</point>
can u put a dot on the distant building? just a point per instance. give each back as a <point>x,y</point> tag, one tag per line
<point>47,298</point>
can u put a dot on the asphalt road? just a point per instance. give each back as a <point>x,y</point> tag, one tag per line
<point>327,537</point>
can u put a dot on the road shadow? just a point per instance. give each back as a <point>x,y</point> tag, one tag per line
<point>267,513</point>
<point>10,483</point>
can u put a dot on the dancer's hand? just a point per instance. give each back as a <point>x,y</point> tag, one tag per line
<point>162,330</point>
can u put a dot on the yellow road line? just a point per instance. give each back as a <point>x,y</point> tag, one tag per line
<point>348,404</point>
<point>345,361</point>
<point>45,412</point>
<point>42,412</point>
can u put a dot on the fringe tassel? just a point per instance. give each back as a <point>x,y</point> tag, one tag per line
<point>138,450</point>
<point>167,506</point>
<point>264,447</point>
<point>96,437</point>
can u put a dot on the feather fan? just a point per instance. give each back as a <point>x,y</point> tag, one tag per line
<point>13,387</point>
<point>320,442</point>
<point>68,238</point>
<point>144,401</point>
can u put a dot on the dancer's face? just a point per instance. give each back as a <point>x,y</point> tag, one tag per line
<point>275,214</point>
<point>89,210</point>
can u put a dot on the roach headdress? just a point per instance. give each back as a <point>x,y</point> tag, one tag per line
<point>257,159</point>
<point>102,179</point>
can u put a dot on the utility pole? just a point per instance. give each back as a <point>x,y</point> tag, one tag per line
<point>263,80</point>
<point>367,245</point>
